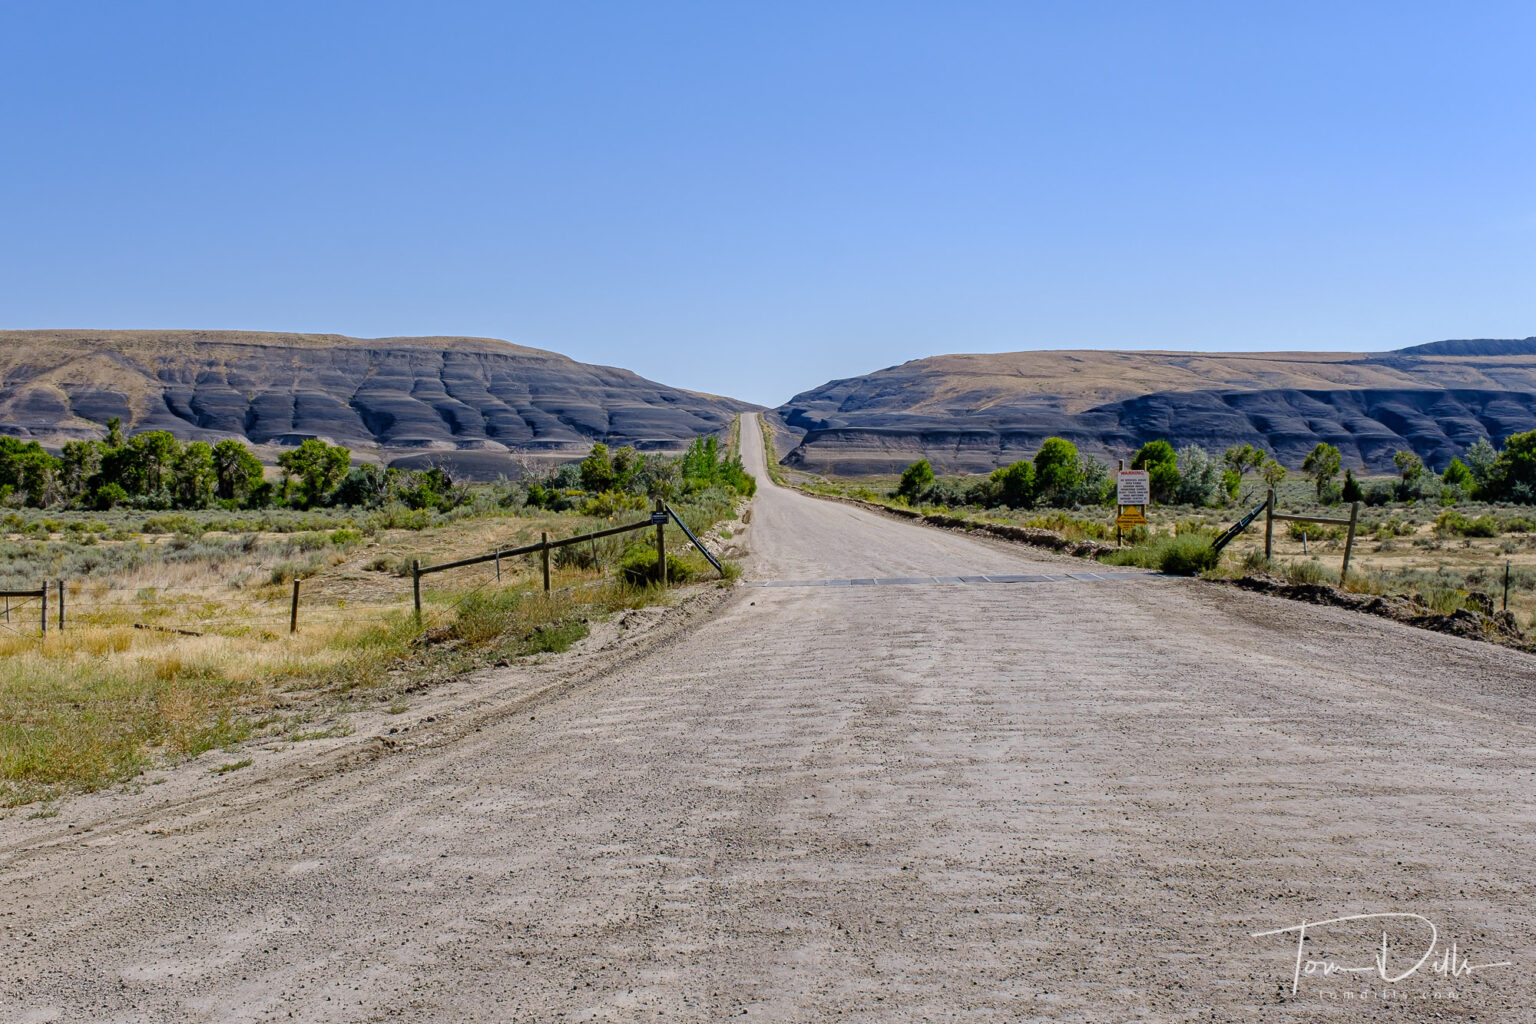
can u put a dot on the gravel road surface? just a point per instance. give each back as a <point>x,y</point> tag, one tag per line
<point>1068,799</point>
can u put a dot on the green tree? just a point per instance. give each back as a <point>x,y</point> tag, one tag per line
<point>1231,483</point>
<point>194,479</point>
<point>1323,464</point>
<point>1273,472</point>
<point>597,473</point>
<point>236,469</point>
<point>26,468</point>
<point>701,463</point>
<point>1199,477</point>
<point>152,460</point>
<point>79,461</point>
<point>1242,459</point>
<point>114,432</point>
<point>1015,483</point>
<point>1409,465</point>
<point>915,480</point>
<point>317,466</point>
<point>1483,462</point>
<point>1457,475</point>
<point>1162,465</point>
<point>109,496</point>
<point>1095,486</point>
<point>1057,473</point>
<point>1352,490</point>
<point>626,464</point>
<point>1515,472</point>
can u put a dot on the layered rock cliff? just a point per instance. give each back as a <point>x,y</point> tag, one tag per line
<point>470,401</point>
<point>969,413</point>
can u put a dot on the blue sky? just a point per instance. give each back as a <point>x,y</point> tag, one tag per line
<point>754,198</point>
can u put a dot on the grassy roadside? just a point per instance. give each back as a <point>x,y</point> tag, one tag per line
<point>107,698</point>
<point>771,453</point>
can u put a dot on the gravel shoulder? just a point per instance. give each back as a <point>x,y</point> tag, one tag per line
<point>1066,800</point>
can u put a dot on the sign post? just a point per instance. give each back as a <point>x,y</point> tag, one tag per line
<point>1133,493</point>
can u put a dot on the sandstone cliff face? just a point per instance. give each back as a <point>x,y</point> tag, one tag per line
<point>972,413</point>
<point>480,399</point>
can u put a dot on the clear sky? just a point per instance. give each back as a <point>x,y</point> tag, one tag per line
<point>753,198</point>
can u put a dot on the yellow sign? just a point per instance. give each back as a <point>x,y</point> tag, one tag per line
<point>1129,517</point>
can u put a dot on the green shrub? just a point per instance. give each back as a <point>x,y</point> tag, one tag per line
<point>309,541</point>
<point>1314,531</point>
<point>575,556</point>
<point>396,516</point>
<point>612,503</point>
<point>1185,555</point>
<point>1393,527</point>
<point>1453,522</point>
<point>1071,527</point>
<point>178,522</point>
<point>1309,572</point>
<point>638,567</point>
<point>1442,600</point>
<point>915,479</point>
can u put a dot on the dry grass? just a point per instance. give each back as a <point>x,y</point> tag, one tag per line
<point>106,698</point>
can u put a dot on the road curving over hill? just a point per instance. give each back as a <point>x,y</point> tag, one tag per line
<point>1061,797</point>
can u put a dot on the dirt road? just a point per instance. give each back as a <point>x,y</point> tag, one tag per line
<point>1066,800</point>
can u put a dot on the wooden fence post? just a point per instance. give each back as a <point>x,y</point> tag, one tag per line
<point>416,586</point>
<point>1349,541</point>
<point>1269,525</point>
<point>544,539</point>
<point>61,606</point>
<point>44,594</point>
<point>293,614</point>
<point>498,566</point>
<point>661,545</point>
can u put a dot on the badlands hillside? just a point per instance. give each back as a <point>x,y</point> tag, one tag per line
<point>471,403</point>
<point>973,412</point>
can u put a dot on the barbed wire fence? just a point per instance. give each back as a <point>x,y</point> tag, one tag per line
<point>206,607</point>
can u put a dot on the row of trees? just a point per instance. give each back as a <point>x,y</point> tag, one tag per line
<point>1191,476</point>
<point>611,479</point>
<point>154,470</point>
<point>1059,476</point>
<point>1482,473</point>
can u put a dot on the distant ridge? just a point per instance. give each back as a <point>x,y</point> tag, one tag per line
<point>475,404</point>
<point>1474,347</point>
<point>971,412</point>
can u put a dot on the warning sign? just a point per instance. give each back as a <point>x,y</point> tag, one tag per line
<point>1134,487</point>
<point>1129,518</point>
